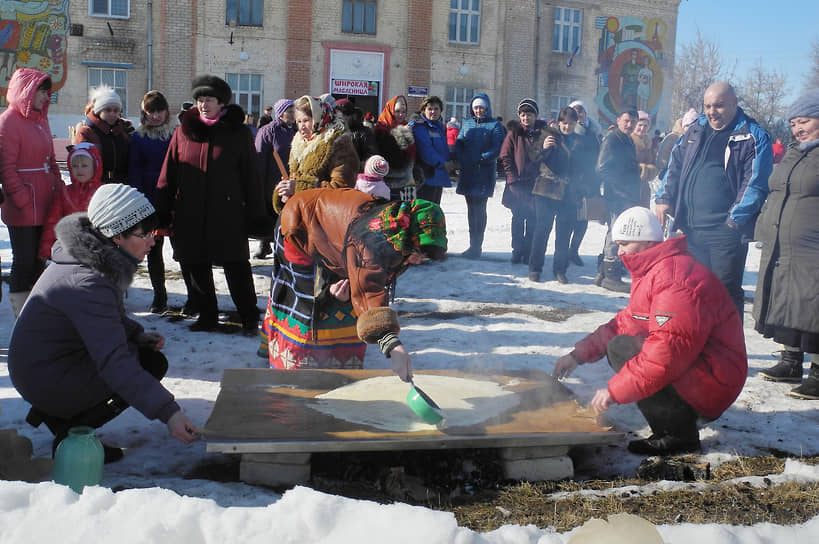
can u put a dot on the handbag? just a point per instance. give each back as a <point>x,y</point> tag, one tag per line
<point>592,208</point>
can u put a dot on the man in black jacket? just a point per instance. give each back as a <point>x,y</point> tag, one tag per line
<point>618,168</point>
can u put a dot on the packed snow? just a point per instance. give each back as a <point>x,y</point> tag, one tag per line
<point>497,320</point>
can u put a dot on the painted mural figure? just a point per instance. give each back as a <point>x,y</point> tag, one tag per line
<point>645,76</point>
<point>629,81</point>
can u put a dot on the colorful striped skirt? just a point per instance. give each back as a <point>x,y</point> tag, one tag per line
<point>300,334</point>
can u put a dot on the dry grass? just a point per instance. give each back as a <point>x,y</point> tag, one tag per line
<point>719,502</point>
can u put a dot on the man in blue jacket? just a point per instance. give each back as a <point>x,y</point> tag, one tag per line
<point>716,183</point>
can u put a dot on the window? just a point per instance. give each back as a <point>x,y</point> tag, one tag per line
<point>244,12</point>
<point>247,92</point>
<point>464,20</point>
<point>457,102</point>
<point>116,79</point>
<point>568,23</point>
<point>557,103</point>
<point>358,16</point>
<point>110,8</point>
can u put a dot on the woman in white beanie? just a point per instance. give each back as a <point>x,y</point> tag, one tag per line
<point>785,307</point>
<point>74,354</point>
<point>105,128</point>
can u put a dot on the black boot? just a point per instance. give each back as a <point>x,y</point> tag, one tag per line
<point>598,279</point>
<point>574,258</point>
<point>264,249</point>
<point>810,389</point>
<point>473,253</point>
<point>788,369</point>
<point>611,278</point>
<point>664,445</point>
<point>160,302</point>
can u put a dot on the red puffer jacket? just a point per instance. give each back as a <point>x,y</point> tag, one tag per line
<point>693,334</point>
<point>28,169</point>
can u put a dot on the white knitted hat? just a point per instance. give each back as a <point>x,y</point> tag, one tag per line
<point>115,208</point>
<point>376,166</point>
<point>637,224</point>
<point>105,96</point>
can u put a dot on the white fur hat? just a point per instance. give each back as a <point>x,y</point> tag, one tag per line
<point>637,224</point>
<point>105,96</point>
<point>115,208</point>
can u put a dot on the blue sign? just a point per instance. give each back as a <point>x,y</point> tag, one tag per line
<point>416,90</point>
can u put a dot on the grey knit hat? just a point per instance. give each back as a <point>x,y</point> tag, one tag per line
<point>806,105</point>
<point>115,208</point>
<point>528,103</point>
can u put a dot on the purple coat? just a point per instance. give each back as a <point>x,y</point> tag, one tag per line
<point>72,346</point>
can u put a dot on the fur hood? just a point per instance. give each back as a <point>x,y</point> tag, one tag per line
<point>233,120</point>
<point>78,242</point>
<point>162,132</point>
<point>403,136</point>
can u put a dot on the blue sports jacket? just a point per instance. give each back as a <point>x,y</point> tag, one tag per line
<point>748,163</point>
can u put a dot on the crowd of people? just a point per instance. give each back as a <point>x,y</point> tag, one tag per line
<point>343,202</point>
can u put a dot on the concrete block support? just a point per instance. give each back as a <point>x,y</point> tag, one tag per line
<point>539,469</point>
<point>275,469</point>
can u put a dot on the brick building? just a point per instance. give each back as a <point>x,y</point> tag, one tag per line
<point>606,54</point>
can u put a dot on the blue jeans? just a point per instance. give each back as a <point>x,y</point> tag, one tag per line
<point>721,249</point>
<point>563,214</point>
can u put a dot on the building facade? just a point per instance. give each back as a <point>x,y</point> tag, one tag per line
<point>608,54</point>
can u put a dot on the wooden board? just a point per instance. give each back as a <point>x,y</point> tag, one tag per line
<point>268,411</point>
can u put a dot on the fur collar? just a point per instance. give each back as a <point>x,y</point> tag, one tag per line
<point>307,157</point>
<point>162,132</point>
<point>517,128</point>
<point>78,240</point>
<point>196,130</point>
<point>403,136</point>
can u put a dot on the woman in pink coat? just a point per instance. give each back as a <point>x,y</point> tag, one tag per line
<point>29,175</point>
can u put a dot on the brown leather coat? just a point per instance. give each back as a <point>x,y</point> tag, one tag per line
<point>317,222</point>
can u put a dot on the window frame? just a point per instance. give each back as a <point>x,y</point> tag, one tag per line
<point>233,12</point>
<point>121,90</point>
<point>567,43</point>
<point>452,103</point>
<point>108,14</point>
<point>473,15</point>
<point>364,4</point>
<point>235,80</point>
<point>560,98</point>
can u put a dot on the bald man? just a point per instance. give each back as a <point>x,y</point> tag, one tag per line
<point>715,185</point>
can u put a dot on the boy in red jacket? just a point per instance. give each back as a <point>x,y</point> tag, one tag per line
<point>678,348</point>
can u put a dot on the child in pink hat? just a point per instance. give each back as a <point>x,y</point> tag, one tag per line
<point>372,180</point>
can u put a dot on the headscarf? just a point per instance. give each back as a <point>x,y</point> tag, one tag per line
<point>321,113</point>
<point>387,116</point>
<point>409,225</point>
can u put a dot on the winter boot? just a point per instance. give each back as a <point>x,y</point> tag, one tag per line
<point>472,253</point>
<point>611,278</point>
<point>264,249</point>
<point>598,279</point>
<point>160,302</point>
<point>18,299</point>
<point>788,369</point>
<point>810,389</point>
<point>574,258</point>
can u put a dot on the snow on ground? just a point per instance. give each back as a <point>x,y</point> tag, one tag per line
<point>494,318</point>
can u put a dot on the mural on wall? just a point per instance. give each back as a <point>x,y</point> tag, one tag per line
<point>628,65</point>
<point>33,34</point>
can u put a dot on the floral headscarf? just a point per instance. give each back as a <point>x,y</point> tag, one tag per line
<point>321,113</point>
<point>387,116</point>
<point>409,225</point>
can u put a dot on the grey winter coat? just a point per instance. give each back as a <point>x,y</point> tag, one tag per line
<point>73,346</point>
<point>787,292</point>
